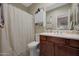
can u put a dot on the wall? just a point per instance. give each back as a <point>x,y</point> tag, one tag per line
<point>53,13</point>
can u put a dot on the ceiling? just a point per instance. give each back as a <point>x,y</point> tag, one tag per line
<point>27,4</point>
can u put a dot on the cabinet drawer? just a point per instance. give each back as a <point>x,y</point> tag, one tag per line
<point>42,37</point>
<point>56,40</point>
<point>46,48</point>
<point>74,43</point>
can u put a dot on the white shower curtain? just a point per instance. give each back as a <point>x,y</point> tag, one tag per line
<point>19,30</point>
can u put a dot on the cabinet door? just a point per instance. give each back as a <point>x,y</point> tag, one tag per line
<point>60,50</point>
<point>43,48</point>
<point>46,49</point>
<point>50,49</point>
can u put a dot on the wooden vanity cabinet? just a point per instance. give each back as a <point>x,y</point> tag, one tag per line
<point>56,46</point>
<point>46,48</point>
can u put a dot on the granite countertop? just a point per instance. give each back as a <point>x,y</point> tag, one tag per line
<point>62,35</point>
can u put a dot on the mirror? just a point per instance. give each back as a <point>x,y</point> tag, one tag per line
<point>76,26</point>
<point>59,18</point>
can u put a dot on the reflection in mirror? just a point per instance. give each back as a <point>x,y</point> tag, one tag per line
<point>62,22</point>
<point>76,26</point>
<point>78,14</point>
<point>59,18</point>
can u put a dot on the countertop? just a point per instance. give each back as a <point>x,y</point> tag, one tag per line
<point>62,35</point>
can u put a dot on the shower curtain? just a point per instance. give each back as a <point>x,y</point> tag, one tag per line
<point>18,30</point>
